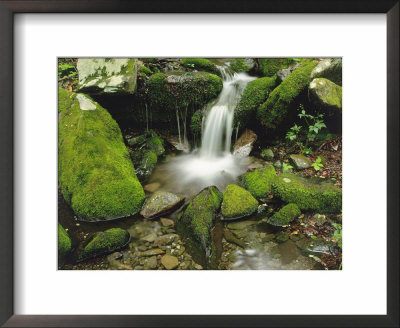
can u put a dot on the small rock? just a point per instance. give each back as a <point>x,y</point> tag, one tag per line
<point>167,222</point>
<point>282,236</point>
<point>319,219</point>
<point>169,262</point>
<point>152,187</point>
<point>198,267</point>
<point>278,164</point>
<point>244,144</point>
<point>240,225</point>
<point>165,240</point>
<point>181,250</point>
<point>300,162</point>
<point>267,154</point>
<point>138,267</point>
<point>161,203</point>
<point>151,263</point>
<point>152,252</point>
<point>150,238</point>
<point>114,256</point>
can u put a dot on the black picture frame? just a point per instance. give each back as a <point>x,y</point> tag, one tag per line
<point>10,7</point>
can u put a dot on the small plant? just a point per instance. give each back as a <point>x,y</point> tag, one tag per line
<point>317,165</point>
<point>286,167</point>
<point>337,234</point>
<point>304,135</point>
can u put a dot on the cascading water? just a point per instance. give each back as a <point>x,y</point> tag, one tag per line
<point>212,164</point>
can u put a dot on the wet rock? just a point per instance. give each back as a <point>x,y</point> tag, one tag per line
<point>152,187</point>
<point>117,265</point>
<point>308,193</point>
<point>319,219</point>
<point>232,239</point>
<point>268,238</point>
<point>161,203</point>
<point>150,238</point>
<point>278,164</point>
<point>329,68</point>
<point>107,76</point>
<point>282,236</point>
<point>315,246</point>
<point>165,240</point>
<point>198,218</point>
<point>241,225</point>
<point>151,252</point>
<point>150,263</point>
<point>178,144</point>
<point>237,203</point>
<point>104,243</point>
<point>285,215</point>
<point>169,262</point>
<point>114,256</point>
<point>244,144</point>
<point>267,154</point>
<point>167,222</point>
<point>300,162</point>
<point>138,267</point>
<point>198,267</point>
<point>283,73</point>
<point>181,250</point>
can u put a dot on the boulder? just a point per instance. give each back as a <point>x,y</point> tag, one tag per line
<point>105,242</point>
<point>326,95</point>
<point>300,162</point>
<point>242,64</point>
<point>198,218</point>
<point>270,66</point>
<point>285,215</point>
<point>64,243</point>
<point>308,193</point>
<point>244,144</point>
<point>281,104</point>
<point>283,73</point>
<point>255,93</point>
<point>237,203</point>
<point>107,76</point>
<point>201,64</point>
<point>96,176</point>
<point>329,68</point>
<point>258,182</point>
<point>160,204</point>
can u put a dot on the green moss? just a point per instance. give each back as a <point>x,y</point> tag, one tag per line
<point>238,65</point>
<point>200,64</point>
<point>156,145</point>
<point>270,66</point>
<point>198,218</point>
<point>253,96</point>
<point>64,242</point>
<point>237,202</point>
<point>258,182</point>
<point>96,176</point>
<point>282,236</point>
<point>196,122</point>
<point>105,242</point>
<point>308,194</point>
<point>182,90</point>
<point>145,71</point>
<point>149,60</point>
<point>280,102</point>
<point>285,215</point>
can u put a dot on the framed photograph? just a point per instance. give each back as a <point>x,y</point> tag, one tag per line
<point>219,165</point>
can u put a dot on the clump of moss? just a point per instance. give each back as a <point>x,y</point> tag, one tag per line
<point>253,96</point>
<point>105,242</point>
<point>281,100</point>
<point>64,242</point>
<point>270,66</point>
<point>149,60</point>
<point>155,143</point>
<point>285,215</point>
<point>198,218</point>
<point>196,122</point>
<point>238,65</point>
<point>308,194</point>
<point>144,70</point>
<point>258,182</point>
<point>237,202</point>
<point>183,89</point>
<point>200,64</point>
<point>96,176</point>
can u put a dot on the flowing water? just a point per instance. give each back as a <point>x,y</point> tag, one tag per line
<point>212,163</point>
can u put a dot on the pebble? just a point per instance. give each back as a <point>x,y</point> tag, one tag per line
<point>152,187</point>
<point>151,252</point>
<point>165,239</point>
<point>114,256</point>
<point>169,262</point>
<point>150,238</point>
<point>151,263</point>
<point>167,222</point>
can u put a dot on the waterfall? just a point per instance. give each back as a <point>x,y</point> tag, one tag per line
<point>217,133</point>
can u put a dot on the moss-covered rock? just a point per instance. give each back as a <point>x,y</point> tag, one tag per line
<point>285,215</point>
<point>198,218</point>
<point>325,94</point>
<point>281,101</point>
<point>237,203</point>
<point>64,242</point>
<point>177,90</point>
<point>144,70</point>
<point>96,175</point>
<point>329,68</point>
<point>267,154</point>
<point>196,122</point>
<point>308,194</point>
<point>107,76</point>
<point>300,162</point>
<point>104,243</point>
<point>253,96</point>
<point>201,64</point>
<point>258,182</point>
<point>270,66</point>
<point>242,64</point>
